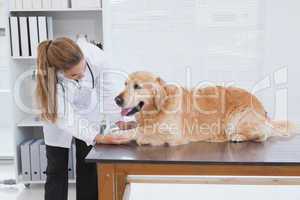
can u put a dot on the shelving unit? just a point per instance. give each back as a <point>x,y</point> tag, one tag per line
<point>66,22</point>
<point>58,10</point>
<point>30,121</point>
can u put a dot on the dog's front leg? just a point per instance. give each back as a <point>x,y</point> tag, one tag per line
<point>131,134</point>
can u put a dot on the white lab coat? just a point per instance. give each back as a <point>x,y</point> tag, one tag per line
<point>77,103</point>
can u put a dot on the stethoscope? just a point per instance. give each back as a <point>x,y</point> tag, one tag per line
<point>92,75</point>
<point>63,88</point>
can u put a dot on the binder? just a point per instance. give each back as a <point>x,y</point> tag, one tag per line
<point>27,4</point>
<point>86,4</point>
<point>59,4</point>
<point>42,28</point>
<point>19,4</point>
<point>70,165</point>
<point>64,4</point>
<point>46,4</point>
<point>43,161</point>
<point>14,36</point>
<point>36,4</point>
<point>74,159</point>
<point>55,4</point>
<point>35,160</point>
<point>24,36</point>
<point>25,160</point>
<point>50,28</point>
<point>33,35</point>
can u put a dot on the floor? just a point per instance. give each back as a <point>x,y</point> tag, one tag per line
<point>157,192</point>
<point>19,192</point>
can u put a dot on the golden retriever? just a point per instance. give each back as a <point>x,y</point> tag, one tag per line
<point>170,114</point>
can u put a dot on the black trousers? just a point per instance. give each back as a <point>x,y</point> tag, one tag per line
<point>56,187</point>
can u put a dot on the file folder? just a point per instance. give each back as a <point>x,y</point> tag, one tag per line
<point>50,28</point>
<point>46,4</point>
<point>19,4</point>
<point>36,4</point>
<point>27,4</point>
<point>24,36</point>
<point>70,165</point>
<point>14,36</point>
<point>35,160</point>
<point>33,35</point>
<point>42,26</point>
<point>43,161</point>
<point>59,4</point>
<point>25,160</point>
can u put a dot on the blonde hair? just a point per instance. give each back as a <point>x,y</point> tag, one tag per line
<point>59,54</point>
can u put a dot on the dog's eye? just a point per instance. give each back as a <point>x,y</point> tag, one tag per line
<point>136,86</point>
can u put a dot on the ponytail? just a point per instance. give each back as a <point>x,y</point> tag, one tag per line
<point>46,84</point>
<point>60,54</point>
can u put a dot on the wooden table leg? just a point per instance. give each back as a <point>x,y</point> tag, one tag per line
<point>106,181</point>
<point>111,183</point>
<point>120,183</point>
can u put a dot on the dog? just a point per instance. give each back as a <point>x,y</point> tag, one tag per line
<point>173,115</point>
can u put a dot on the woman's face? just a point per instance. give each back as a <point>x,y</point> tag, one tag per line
<point>76,72</point>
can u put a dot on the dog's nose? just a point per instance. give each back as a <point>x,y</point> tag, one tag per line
<point>119,101</point>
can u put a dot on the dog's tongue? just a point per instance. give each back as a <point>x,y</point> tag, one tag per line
<point>125,111</point>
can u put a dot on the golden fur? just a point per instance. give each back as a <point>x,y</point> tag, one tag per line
<point>174,115</point>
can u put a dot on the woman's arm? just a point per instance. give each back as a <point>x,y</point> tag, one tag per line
<point>112,139</point>
<point>71,122</point>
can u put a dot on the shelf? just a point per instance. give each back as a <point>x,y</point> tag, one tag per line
<point>31,121</point>
<point>58,10</point>
<point>72,181</point>
<point>23,58</point>
<point>5,91</point>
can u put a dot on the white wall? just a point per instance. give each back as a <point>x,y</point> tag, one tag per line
<point>218,41</point>
<point>239,42</point>
<point>282,49</point>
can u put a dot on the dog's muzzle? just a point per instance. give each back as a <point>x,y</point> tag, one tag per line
<point>133,110</point>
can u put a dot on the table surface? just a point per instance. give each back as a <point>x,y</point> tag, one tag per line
<point>275,151</point>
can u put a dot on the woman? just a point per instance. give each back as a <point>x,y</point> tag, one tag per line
<point>67,97</point>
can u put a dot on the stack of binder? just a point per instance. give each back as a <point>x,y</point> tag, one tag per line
<point>34,161</point>
<point>38,4</point>
<point>27,32</point>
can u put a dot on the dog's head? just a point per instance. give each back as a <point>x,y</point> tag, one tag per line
<point>143,92</point>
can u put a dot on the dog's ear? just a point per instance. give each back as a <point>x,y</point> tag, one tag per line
<point>160,93</point>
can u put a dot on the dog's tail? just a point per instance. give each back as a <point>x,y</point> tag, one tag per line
<point>284,128</point>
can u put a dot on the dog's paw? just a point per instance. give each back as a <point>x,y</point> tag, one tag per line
<point>149,141</point>
<point>237,138</point>
<point>177,142</point>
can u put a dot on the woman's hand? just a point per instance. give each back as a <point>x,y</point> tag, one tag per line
<point>112,139</point>
<point>123,137</point>
<point>126,125</point>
